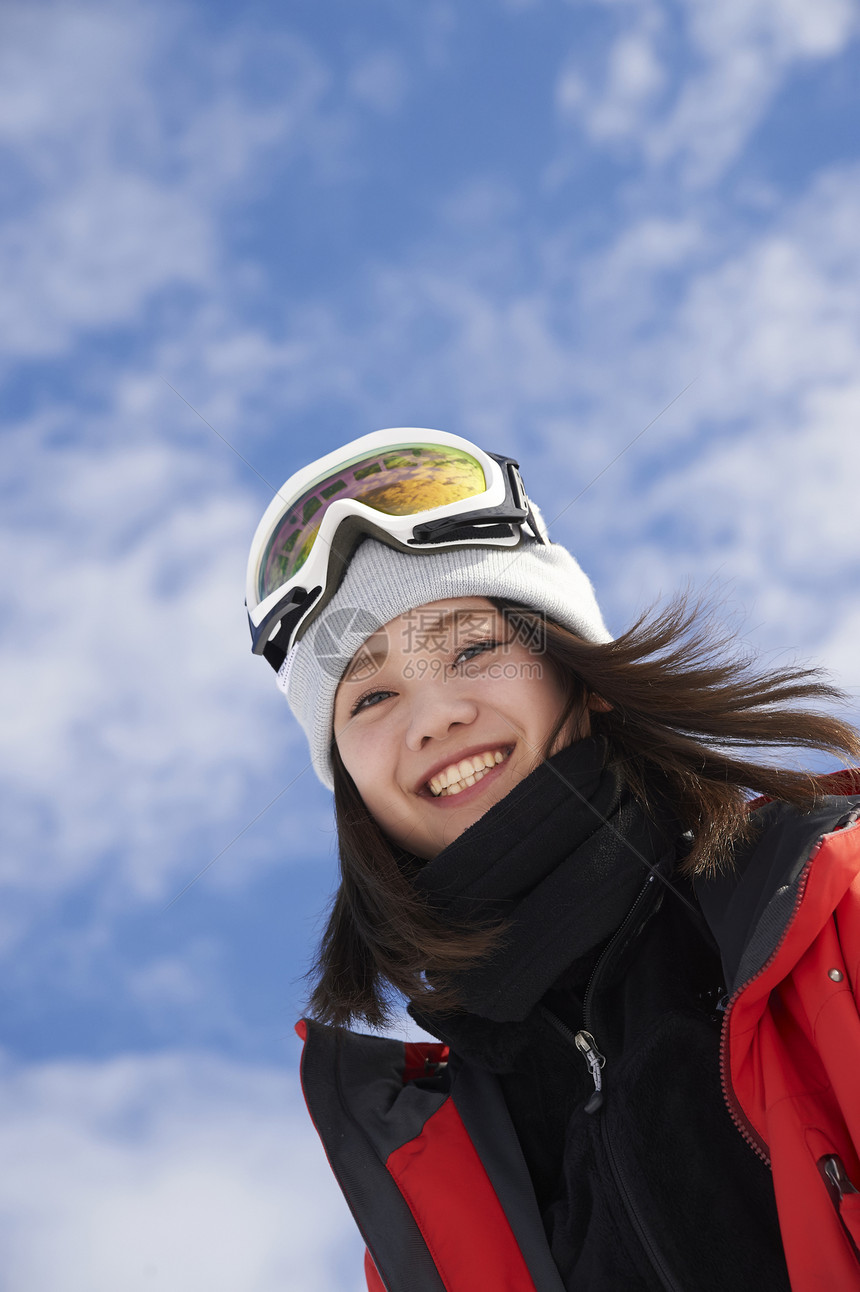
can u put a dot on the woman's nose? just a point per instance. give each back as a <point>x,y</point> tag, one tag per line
<point>434,713</point>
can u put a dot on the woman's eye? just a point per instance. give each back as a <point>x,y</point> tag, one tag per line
<point>368,701</point>
<point>471,652</point>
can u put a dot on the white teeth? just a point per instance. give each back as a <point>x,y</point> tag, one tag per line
<point>456,777</point>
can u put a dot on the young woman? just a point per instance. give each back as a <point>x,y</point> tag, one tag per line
<point>644,985</point>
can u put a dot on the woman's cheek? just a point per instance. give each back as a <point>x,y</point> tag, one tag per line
<point>370,752</point>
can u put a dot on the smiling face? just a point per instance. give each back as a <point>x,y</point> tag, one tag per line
<point>439,715</point>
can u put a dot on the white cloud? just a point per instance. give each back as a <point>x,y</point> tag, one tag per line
<point>128,133</point>
<point>774,321</point>
<point>744,479</point>
<point>93,256</point>
<point>380,81</point>
<point>136,722</point>
<point>481,204</point>
<point>178,982</point>
<point>178,1171</point>
<point>634,77</point>
<point>59,67</point>
<point>787,28</point>
<point>699,104</point>
<point>773,503</point>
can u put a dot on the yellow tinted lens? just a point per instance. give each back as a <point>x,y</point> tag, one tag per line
<point>400,481</point>
<point>433,479</point>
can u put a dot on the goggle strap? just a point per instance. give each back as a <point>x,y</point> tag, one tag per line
<point>274,655</point>
<point>534,526</point>
<point>290,615</point>
<point>275,649</point>
<point>452,530</point>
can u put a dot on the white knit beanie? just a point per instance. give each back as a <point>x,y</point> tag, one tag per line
<point>382,583</point>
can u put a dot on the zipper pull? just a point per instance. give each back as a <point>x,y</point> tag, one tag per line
<point>835,1177</point>
<point>587,1045</point>
<point>839,1186</point>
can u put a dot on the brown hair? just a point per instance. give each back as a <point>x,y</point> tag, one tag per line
<point>686,708</point>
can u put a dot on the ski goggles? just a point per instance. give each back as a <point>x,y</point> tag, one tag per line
<point>416,490</point>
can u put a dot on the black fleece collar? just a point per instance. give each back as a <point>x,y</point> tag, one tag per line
<point>561,859</point>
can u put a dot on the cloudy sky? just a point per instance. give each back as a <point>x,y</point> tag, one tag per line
<point>617,238</point>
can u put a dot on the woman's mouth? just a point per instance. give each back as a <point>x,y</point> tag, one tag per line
<point>461,775</point>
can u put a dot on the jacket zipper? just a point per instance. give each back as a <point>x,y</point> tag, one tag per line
<point>583,1040</point>
<point>587,1046</point>
<point>606,955</point>
<point>743,1126</point>
<point>585,1043</point>
<point>651,1251</point>
<point>650,1248</point>
<point>749,1134</point>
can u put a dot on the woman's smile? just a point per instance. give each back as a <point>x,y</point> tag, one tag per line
<point>466,771</point>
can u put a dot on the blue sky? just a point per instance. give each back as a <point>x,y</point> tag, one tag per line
<point>547,225</point>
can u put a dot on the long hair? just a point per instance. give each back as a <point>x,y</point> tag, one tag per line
<point>686,709</point>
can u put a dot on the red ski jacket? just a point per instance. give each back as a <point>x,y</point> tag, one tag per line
<point>430,1165</point>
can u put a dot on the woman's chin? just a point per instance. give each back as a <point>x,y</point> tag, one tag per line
<point>458,819</point>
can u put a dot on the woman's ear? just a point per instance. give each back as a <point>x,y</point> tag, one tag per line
<point>597,704</point>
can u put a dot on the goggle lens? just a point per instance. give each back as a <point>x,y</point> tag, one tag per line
<point>401,480</point>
